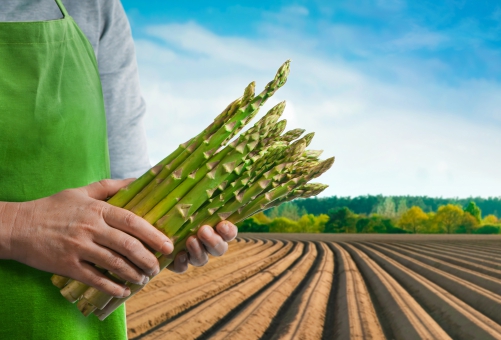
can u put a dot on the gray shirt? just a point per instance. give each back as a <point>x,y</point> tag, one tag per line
<point>106,26</point>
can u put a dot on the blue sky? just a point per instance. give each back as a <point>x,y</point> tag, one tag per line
<point>406,95</point>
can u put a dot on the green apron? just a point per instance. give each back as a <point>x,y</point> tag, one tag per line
<point>52,137</point>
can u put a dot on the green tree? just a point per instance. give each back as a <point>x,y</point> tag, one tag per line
<point>387,207</point>
<point>362,225</point>
<point>341,220</point>
<point>413,220</point>
<point>401,207</point>
<point>490,220</point>
<point>448,218</point>
<point>250,225</point>
<point>468,224</point>
<point>488,229</point>
<point>261,218</point>
<point>474,210</point>
<point>380,224</point>
<point>283,225</point>
<point>289,210</point>
<point>310,223</point>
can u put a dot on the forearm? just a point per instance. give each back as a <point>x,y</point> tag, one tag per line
<point>9,213</point>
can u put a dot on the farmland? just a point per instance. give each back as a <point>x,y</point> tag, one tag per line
<point>314,286</point>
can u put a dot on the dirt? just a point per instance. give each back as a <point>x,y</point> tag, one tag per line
<point>318,286</point>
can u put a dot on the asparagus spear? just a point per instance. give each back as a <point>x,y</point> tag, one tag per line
<point>210,145</point>
<point>289,136</point>
<point>220,166</point>
<point>188,148</point>
<point>208,178</point>
<point>180,243</point>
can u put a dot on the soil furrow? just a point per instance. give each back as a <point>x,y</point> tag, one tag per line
<point>485,301</point>
<point>463,250</point>
<point>456,317</point>
<point>253,321</point>
<point>463,257</point>
<point>303,315</point>
<point>203,288</point>
<point>330,286</point>
<point>208,313</point>
<point>478,274</point>
<point>161,294</point>
<point>408,319</point>
<point>355,314</point>
<point>167,278</point>
<point>486,249</point>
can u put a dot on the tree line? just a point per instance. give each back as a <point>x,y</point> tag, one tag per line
<point>378,214</point>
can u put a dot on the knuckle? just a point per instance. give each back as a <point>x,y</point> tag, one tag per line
<point>86,228</point>
<point>76,245</point>
<point>99,282</point>
<point>105,183</point>
<point>130,219</point>
<point>130,244</point>
<point>97,207</point>
<point>115,263</point>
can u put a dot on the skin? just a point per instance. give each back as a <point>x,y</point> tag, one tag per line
<point>66,232</point>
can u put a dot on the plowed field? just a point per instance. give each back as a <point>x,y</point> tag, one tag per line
<point>318,286</point>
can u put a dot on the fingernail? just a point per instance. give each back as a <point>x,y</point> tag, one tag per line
<point>183,258</point>
<point>146,280</point>
<point>206,232</point>
<point>167,248</point>
<point>155,272</point>
<point>223,229</point>
<point>126,292</point>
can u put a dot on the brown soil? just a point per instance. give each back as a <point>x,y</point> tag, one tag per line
<point>318,286</point>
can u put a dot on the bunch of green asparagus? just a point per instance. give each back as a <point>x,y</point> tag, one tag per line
<point>208,179</point>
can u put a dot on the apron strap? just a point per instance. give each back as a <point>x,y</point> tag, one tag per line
<point>62,8</point>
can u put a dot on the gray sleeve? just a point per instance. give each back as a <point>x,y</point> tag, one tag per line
<point>124,105</point>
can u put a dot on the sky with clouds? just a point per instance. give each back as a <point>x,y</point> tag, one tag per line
<point>405,95</point>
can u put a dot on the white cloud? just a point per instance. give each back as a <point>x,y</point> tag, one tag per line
<point>419,38</point>
<point>388,137</point>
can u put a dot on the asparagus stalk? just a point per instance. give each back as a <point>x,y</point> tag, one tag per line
<point>217,170</point>
<point>180,243</point>
<point>281,190</point>
<point>177,218</point>
<point>209,146</point>
<point>289,136</point>
<point>188,148</point>
<point>204,180</point>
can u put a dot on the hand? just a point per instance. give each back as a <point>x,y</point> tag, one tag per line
<point>68,232</point>
<point>206,241</point>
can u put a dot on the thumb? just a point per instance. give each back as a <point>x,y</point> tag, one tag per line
<point>106,188</point>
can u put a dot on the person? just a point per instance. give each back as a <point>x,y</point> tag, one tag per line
<point>70,119</point>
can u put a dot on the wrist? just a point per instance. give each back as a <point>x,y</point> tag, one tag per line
<point>10,214</point>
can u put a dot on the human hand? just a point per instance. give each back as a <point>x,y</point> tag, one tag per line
<point>207,241</point>
<point>68,232</point>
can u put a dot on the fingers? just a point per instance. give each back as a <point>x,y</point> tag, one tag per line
<point>89,275</point>
<point>180,264</point>
<point>136,226</point>
<point>117,264</point>
<point>227,230</point>
<point>198,255</point>
<point>214,243</point>
<point>106,188</point>
<point>129,247</point>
